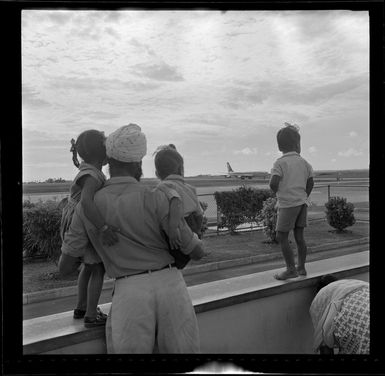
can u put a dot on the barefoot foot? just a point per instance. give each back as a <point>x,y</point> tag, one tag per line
<point>302,271</point>
<point>288,273</point>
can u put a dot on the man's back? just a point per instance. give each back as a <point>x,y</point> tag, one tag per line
<point>137,213</point>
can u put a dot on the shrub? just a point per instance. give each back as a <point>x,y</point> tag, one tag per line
<point>41,230</point>
<point>268,217</point>
<point>27,204</point>
<point>240,206</point>
<point>230,208</point>
<point>252,201</point>
<point>339,213</point>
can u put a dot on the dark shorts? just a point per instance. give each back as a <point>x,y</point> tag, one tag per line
<point>290,218</point>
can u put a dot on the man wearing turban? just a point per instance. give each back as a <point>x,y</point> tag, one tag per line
<point>151,307</point>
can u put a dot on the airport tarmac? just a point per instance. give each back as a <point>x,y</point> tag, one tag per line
<point>356,190</point>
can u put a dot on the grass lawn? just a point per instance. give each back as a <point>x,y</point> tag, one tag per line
<point>41,275</point>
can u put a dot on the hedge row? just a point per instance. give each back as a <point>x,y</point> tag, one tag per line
<point>41,225</point>
<point>239,206</point>
<point>41,221</point>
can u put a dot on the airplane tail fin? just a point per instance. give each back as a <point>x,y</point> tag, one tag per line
<point>229,169</point>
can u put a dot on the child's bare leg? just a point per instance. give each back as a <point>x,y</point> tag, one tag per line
<point>302,250</point>
<point>95,286</point>
<point>290,272</point>
<point>83,279</point>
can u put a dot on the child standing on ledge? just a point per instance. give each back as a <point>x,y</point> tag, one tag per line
<point>90,145</point>
<point>292,181</point>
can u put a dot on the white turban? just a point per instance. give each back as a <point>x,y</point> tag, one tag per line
<point>127,144</point>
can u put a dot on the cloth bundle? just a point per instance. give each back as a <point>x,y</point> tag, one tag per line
<point>326,306</point>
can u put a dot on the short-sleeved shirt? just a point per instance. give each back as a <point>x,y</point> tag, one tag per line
<point>187,193</point>
<point>85,169</point>
<point>141,214</point>
<point>294,172</point>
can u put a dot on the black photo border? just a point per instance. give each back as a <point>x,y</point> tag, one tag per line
<point>13,360</point>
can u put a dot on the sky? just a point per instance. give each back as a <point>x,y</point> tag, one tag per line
<point>218,85</point>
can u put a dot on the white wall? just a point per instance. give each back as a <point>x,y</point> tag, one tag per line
<point>275,324</point>
<point>278,324</point>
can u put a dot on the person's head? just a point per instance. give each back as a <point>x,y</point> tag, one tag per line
<point>325,280</point>
<point>289,139</point>
<point>90,146</point>
<point>125,149</point>
<point>168,162</point>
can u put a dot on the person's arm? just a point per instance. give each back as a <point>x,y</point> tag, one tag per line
<point>199,221</point>
<point>198,252</point>
<point>274,183</point>
<point>190,244</point>
<point>309,186</point>
<point>89,187</point>
<point>276,175</point>
<point>176,214</point>
<point>68,265</point>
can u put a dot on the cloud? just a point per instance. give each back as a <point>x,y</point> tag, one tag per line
<point>59,17</point>
<point>350,153</point>
<point>141,47</point>
<point>310,68</point>
<point>110,31</point>
<point>238,97</point>
<point>208,118</point>
<point>102,115</point>
<point>113,16</point>
<point>31,97</point>
<point>85,84</point>
<point>295,92</point>
<point>158,72</point>
<point>247,151</point>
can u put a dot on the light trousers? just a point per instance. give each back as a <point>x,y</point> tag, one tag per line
<point>152,311</point>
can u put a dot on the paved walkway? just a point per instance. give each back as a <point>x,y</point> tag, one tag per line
<point>67,303</point>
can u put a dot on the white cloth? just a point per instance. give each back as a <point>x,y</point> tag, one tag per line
<point>127,144</point>
<point>294,172</point>
<point>326,306</point>
<point>152,311</point>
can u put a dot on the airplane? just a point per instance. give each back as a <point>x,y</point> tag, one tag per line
<point>243,175</point>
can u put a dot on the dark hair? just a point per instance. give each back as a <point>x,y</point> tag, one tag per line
<point>134,169</point>
<point>168,161</point>
<point>90,146</point>
<point>325,280</point>
<point>288,137</point>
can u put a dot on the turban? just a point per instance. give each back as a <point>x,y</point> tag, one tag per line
<point>127,144</point>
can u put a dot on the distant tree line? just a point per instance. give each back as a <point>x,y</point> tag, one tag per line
<point>50,180</point>
<point>56,180</point>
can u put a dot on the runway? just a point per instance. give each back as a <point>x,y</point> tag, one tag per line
<point>355,191</point>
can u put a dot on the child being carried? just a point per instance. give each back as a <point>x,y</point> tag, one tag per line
<point>170,170</point>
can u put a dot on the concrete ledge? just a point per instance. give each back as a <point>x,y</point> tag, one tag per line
<point>40,296</point>
<point>61,331</point>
